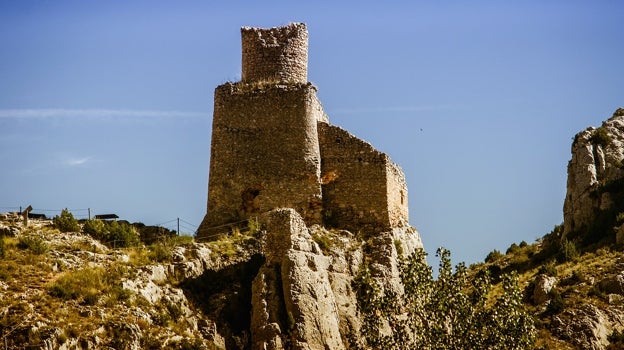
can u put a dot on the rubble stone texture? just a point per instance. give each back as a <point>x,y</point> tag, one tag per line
<point>273,147</point>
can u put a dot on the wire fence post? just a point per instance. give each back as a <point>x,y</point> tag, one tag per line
<point>178,226</point>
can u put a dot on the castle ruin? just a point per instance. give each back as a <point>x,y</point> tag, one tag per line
<point>273,147</point>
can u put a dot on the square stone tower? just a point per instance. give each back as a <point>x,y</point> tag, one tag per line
<point>273,147</point>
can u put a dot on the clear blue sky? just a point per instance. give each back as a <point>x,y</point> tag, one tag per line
<point>108,105</point>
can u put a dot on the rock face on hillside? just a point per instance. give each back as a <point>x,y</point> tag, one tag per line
<point>286,286</point>
<point>302,296</point>
<point>595,177</point>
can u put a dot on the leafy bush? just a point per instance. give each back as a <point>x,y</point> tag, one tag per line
<point>451,312</point>
<point>600,136</point>
<point>568,251</point>
<point>493,256</point>
<point>556,304</point>
<point>113,234</point>
<point>66,222</point>
<point>550,269</point>
<point>35,244</point>
<point>513,248</point>
<point>94,228</point>
<point>2,248</point>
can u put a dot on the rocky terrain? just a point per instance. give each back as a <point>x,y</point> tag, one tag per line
<point>574,276</point>
<point>272,284</point>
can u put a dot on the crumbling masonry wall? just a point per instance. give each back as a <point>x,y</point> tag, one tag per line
<point>264,152</point>
<point>362,189</point>
<point>275,54</point>
<point>273,147</point>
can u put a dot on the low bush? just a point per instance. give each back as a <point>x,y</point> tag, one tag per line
<point>493,256</point>
<point>568,251</point>
<point>35,244</point>
<point>450,312</point>
<point>66,222</point>
<point>84,285</point>
<point>113,234</point>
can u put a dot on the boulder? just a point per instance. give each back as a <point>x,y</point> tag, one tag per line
<point>542,286</point>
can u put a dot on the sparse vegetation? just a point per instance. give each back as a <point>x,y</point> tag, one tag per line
<point>66,222</point>
<point>600,136</point>
<point>35,244</point>
<point>450,312</point>
<point>89,284</point>
<point>493,256</point>
<point>114,234</point>
<point>323,240</point>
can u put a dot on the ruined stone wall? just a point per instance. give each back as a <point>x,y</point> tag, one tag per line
<point>275,54</point>
<point>396,186</point>
<point>265,152</point>
<point>355,182</point>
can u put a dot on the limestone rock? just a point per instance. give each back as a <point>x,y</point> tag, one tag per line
<point>8,231</point>
<point>295,266</point>
<point>588,327</point>
<point>302,297</point>
<point>543,284</point>
<point>597,158</point>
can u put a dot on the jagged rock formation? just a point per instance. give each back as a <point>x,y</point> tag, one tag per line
<point>595,178</point>
<point>287,286</point>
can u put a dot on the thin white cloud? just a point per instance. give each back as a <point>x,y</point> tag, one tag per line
<point>95,113</point>
<point>77,161</point>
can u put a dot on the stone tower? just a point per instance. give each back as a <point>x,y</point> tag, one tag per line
<point>273,147</point>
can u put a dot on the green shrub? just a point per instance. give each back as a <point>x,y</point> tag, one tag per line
<point>160,252</point>
<point>550,269</point>
<point>84,285</point>
<point>568,251</point>
<point>113,234</point>
<point>66,222</point>
<point>322,240</point>
<point>94,228</point>
<point>450,312</point>
<point>254,226</point>
<point>493,256</point>
<point>556,304</point>
<point>121,235</point>
<point>35,244</point>
<point>2,248</point>
<point>600,136</point>
<point>513,248</point>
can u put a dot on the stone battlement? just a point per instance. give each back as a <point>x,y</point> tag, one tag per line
<point>273,147</point>
<point>275,54</point>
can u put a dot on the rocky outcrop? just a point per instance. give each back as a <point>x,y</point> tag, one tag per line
<point>542,286</point>
<point>302,296</point>
<point>588,327</point>
<point>287,286</point>
<point>595,174</point>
